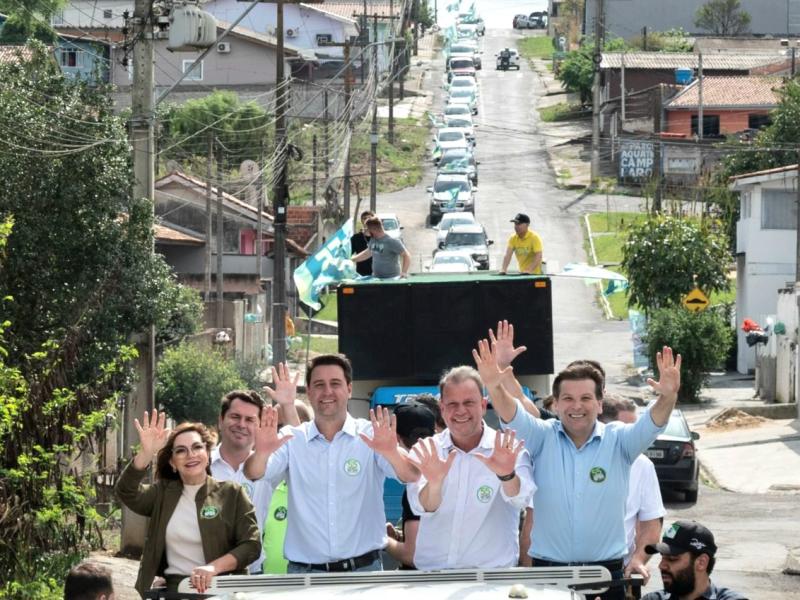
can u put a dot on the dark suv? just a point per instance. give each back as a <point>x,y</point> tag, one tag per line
<point>471,238</point>
<point>675,457</point>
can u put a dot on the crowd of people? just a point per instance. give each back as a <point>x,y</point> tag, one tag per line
<point>290,488</point>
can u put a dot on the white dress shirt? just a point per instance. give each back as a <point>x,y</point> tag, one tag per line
<point>644,500</point>
<point>477,524</point>
<point>335,493</point>
<point>259,492</point>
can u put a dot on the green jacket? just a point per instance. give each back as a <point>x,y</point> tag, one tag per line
<point>226,516</point>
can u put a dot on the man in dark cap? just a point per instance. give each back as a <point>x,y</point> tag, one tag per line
<point>415,421</point>
<point>687,560</point>
<point>526,245</point>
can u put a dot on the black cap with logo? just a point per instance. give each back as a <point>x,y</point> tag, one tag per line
<point>521,218</point>
<point>414,420</point>
<point>685,536</point>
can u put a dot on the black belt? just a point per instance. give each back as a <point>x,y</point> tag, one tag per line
<point>342,566</point>
<point>611,565</point>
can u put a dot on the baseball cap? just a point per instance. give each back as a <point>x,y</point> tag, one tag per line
<point>521,218</point>
<point>684,536</point>
<point>414,419</point>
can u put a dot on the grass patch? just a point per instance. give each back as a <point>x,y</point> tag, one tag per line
<point>614,221</point>
<point>329,311</point>
<point>319,344</point>
<point>563,111</point>
<point>539,46</point>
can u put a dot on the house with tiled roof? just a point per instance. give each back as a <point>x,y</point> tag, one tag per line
<point>730,105</point>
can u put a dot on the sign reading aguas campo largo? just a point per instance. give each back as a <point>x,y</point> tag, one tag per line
<point>636,160</point>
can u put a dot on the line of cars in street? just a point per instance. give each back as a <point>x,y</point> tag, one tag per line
<point>461,242</point>
<point>535,20</point>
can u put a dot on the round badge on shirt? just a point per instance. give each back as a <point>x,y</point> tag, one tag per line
<point>280,513</point>
<point>484,494</point>
<point>352,467</point>
<point>597,474</point>
<point>209,512</point>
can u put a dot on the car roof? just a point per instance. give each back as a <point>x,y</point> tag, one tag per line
<point>466,229</point>
<point>382,216</point>
<point>452,177</point>
<point>458,215</point>
<point>459,151</point>
<point>461,253</point>
<point>449,130</point>
<point>468,78</point>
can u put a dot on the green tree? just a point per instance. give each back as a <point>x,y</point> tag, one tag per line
<point>576,71</point>
<point>723,17</point>
<point>665,257</point>
<point>80,278</point>
<point>702,339</point>
<point>191,381</point>
<point>28,19</point>
<point>672,40</point>
<point>239,127</point>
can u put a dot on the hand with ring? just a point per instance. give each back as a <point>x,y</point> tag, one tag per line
<point>202,577</point>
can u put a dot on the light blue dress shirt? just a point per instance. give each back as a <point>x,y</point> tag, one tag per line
<point>335,493</point>
<point>581,493</point>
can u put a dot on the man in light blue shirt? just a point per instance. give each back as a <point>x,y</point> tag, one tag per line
<point>334,467</point>
<point>582,467</point>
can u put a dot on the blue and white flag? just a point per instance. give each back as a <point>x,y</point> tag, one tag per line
<point>330,264</point>
<point>451,203</point>
<point>454,6</point>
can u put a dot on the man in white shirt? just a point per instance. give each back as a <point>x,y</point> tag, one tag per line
<point>474,482</point>
<point>644,510</point>
<point>334,468</point>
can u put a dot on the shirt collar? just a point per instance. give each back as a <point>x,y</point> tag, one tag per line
<point>486,442</point>
<point>598,432</point>
<point>350,427</point>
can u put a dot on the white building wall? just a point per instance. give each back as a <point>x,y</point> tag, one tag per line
<point>787,346</point>
<point>766,264</point>
<point>88,13</point>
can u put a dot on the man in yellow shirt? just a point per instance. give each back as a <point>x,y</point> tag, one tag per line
<point>526,244</point>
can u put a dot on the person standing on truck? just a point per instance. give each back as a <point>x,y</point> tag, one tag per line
<point>414,422</point>
<point>334,467</point>
<point>526,245</point>
<point>474,483</point>
<point>359,242</point>
<point>384,252</point>
<point>583,466</point>
<point>687,560</point>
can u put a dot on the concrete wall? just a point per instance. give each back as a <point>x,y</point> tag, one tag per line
<point>625,18</point>
<point>730,121</point>
<point>786,360</point>
<point>766,262</point>
<point>90,13</point>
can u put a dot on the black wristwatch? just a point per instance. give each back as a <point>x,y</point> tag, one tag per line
<point>508,477</point>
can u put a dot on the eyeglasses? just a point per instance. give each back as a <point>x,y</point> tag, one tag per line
<point>183,451</point>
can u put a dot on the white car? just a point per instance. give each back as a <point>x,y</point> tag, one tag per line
<point>464,123</point>
<point>449,220</point>
<point>448,137</point>
<point>453,110</point>
<point>464,83</point>
<point>391,225</point>
<point>453,261</point>
<point>464,96</point>
<point>451,192</point>
<point>468,49</point>
<point>513,58</point>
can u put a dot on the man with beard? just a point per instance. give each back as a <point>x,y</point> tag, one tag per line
<point>687,560</point>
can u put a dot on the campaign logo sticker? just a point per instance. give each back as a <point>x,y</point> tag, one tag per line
<point>597,474</point>
<point>352,467</point>
<point>484,494</point>
<point>280,513</point>
<point>672,531</point>
<point>209,512</point>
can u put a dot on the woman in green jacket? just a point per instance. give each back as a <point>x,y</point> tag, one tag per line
<point>199,527</point>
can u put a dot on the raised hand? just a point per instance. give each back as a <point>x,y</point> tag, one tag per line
<point>669,372</point>
<point>504,457</point>
<point>503,344</point>
<point>153,434</point>
<point>267,439</point>
<point>384,431</point>
<point>285,390</point>
<point>433,468</point>
<point>487,364</point>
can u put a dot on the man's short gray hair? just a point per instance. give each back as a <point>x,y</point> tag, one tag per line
<point>613,405</point>
<point>460,375</point>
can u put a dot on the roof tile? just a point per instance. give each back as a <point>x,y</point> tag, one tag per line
<point>730,92</point>
<point>675,60</point>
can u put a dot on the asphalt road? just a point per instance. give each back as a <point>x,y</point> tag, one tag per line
<point>753,532</point>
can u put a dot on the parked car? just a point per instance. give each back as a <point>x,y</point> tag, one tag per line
<point>453,261</point>
<point>513,58</point>
<point>459,96</point>
<point>537,20</point>
<point>461,65</point>
<point>470,238</point>
<point>450,220</point>
<point>465,124</point>
<point>520,22</point>
<point>459,160</point>
<point>391,225</point>
<point>447,138</point>
<point>450,192</point>
<point>675,457</point>
<point>454,110</point>
<point>462,82</point>
<point>466,49</point>
<point>466,30</point>
<point>480,26</point>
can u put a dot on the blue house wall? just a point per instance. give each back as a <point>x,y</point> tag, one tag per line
<point>83,59</point>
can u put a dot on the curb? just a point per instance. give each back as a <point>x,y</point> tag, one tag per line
<point>609,315</point>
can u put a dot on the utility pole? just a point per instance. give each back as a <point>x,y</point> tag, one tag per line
<point>373,138</point>
<point>280,194</point>
<point>644,38</point>
<point>348,109</point>
<point>220,314</point>
<point>314,170</point>
<point>392,70</point>
<point>622,89</point>
<point>598,49</point>
<point>209,215</point>
<point>325,139</point>
<point>797,225</point>
<point>700,126</point>
<point>260,218</point>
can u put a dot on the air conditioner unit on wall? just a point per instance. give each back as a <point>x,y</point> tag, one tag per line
<point>291,33</point>
<point>224,47</point>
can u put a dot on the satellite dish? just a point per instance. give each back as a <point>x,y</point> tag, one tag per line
<point>249,169</point>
